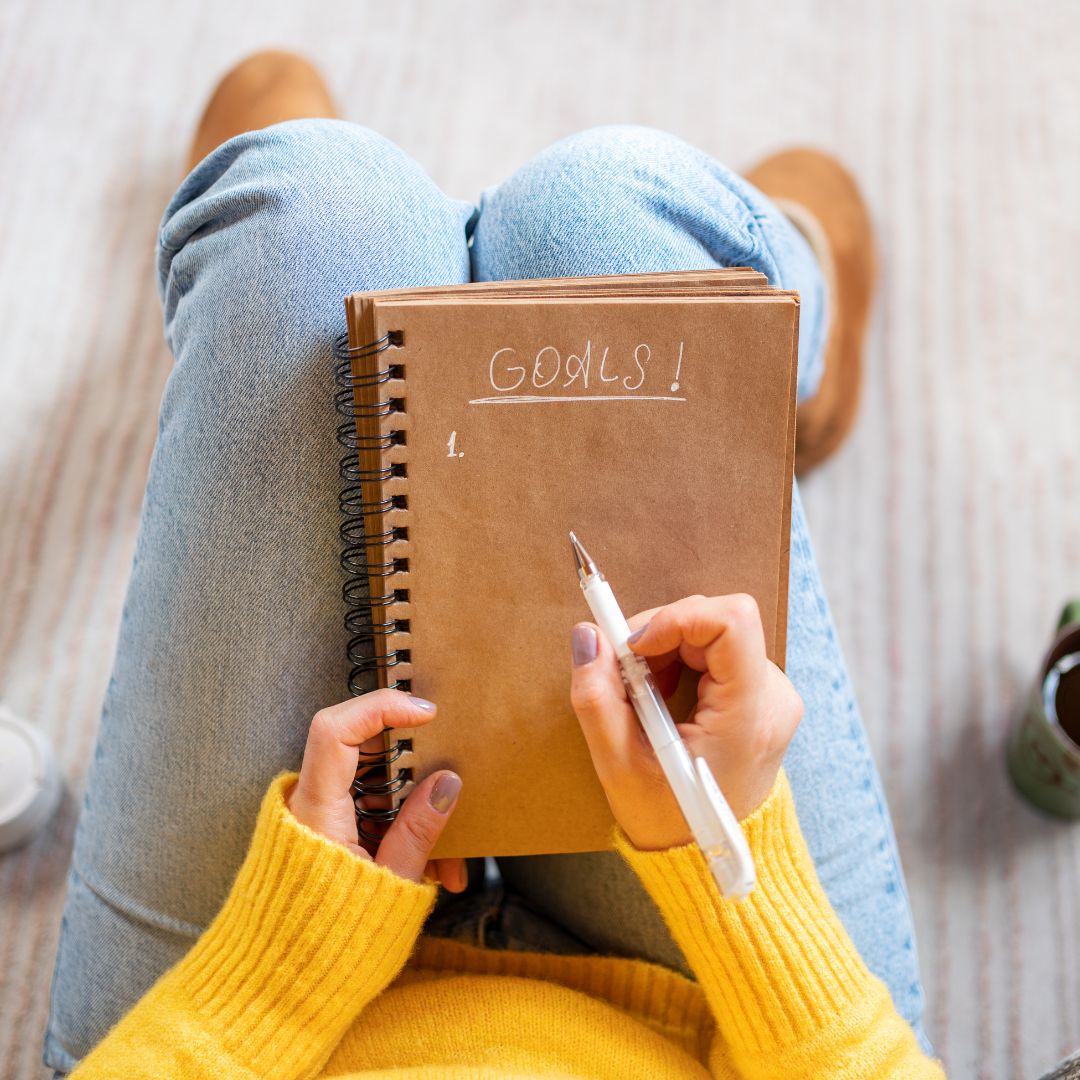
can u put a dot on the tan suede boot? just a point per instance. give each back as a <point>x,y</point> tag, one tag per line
<point>823,202</point>
<point>264,89</point>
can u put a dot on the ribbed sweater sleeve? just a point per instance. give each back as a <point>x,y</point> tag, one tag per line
<point>790,993</point>
<point>309,934</point>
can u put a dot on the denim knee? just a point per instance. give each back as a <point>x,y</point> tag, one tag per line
<point>618,199</point>
<point>623,200</point>
<point>291,218</point>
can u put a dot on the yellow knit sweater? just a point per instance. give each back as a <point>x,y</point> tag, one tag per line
<point>312,968</point>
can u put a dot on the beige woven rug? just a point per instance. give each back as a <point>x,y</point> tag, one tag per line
<point>948,529</point>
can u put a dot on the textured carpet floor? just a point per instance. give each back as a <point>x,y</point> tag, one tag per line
<point>948,529</point>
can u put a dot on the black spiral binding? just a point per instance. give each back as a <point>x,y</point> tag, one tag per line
<point>362,559</point>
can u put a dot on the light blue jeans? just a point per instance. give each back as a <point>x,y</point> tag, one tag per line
<point>232,636</point>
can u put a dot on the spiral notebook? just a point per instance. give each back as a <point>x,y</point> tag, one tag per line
<point>653,414</point>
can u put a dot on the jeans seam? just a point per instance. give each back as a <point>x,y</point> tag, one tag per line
<point>136,912</point>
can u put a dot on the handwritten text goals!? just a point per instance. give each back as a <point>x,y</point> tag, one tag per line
<point>645,373</point>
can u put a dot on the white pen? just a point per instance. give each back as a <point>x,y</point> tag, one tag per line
<point>711,820</point>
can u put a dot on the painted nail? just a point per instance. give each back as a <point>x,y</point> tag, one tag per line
<point>422,703</point>
<point>583,645</point>
<point>639,632</point>
<point>445,792</point>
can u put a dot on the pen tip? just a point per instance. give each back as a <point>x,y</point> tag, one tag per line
<point>585,566</point>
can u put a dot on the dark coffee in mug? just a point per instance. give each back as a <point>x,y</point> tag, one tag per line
<point>1044,747</point>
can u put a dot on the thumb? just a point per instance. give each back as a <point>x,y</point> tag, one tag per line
<point>408,843</point>
<point>599,699</point>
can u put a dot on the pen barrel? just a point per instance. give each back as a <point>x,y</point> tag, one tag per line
<point>714,827</point>
<point>648,702</point>
<point>673,755</point>
<point>679,769</point>
<point>608,615</point>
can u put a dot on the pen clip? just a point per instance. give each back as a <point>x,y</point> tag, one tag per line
<point>729,858</point>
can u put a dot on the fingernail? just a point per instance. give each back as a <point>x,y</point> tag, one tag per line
<point>583,645</point>
<point>422,703</point>
<point>637,634</point>
<point>445,792</point>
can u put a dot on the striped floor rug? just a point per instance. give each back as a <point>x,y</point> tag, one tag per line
<point>948,528</point>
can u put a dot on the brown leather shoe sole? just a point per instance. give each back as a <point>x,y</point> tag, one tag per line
<point>823,201</point>
<point>266,88</point>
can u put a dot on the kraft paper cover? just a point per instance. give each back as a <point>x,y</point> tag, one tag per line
<point>660,428</point>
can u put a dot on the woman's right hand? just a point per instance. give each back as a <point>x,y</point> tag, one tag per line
<point>322,799</point>
<point>746,712</point>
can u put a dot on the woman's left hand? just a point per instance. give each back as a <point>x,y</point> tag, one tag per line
<point>322,798</point>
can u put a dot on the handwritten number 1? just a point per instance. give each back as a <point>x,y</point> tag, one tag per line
<point>450,444</point>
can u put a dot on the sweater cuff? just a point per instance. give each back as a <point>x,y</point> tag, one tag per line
<point>778,967</point>
<point>309,934</point>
